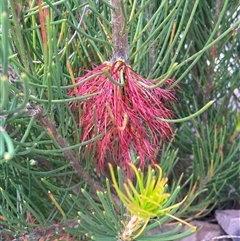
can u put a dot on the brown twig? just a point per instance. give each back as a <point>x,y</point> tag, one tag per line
<point>152,50</point>
<point>49,125</point>
<point>119,31</point>
<point>210,71</point>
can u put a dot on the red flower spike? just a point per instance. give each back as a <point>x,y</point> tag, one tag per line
<point>126,113</point>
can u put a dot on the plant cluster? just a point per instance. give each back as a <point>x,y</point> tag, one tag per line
<point>117,118</point>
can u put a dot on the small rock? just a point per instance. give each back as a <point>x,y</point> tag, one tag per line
<point>207,231</point>
<point>229,220</point>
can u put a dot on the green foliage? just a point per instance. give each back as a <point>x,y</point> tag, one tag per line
<point>46,45</point>
<point>114,222</point>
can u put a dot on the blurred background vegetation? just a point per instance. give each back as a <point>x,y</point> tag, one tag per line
<point>45,45</point>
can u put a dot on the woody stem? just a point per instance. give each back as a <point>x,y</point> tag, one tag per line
<point>119,30</point>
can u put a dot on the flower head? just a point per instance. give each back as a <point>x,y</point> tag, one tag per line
<point>125,111</point>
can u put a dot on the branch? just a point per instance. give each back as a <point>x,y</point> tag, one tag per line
<point>49,125</point>
<point>119,30</point>
<point>210,70</point>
